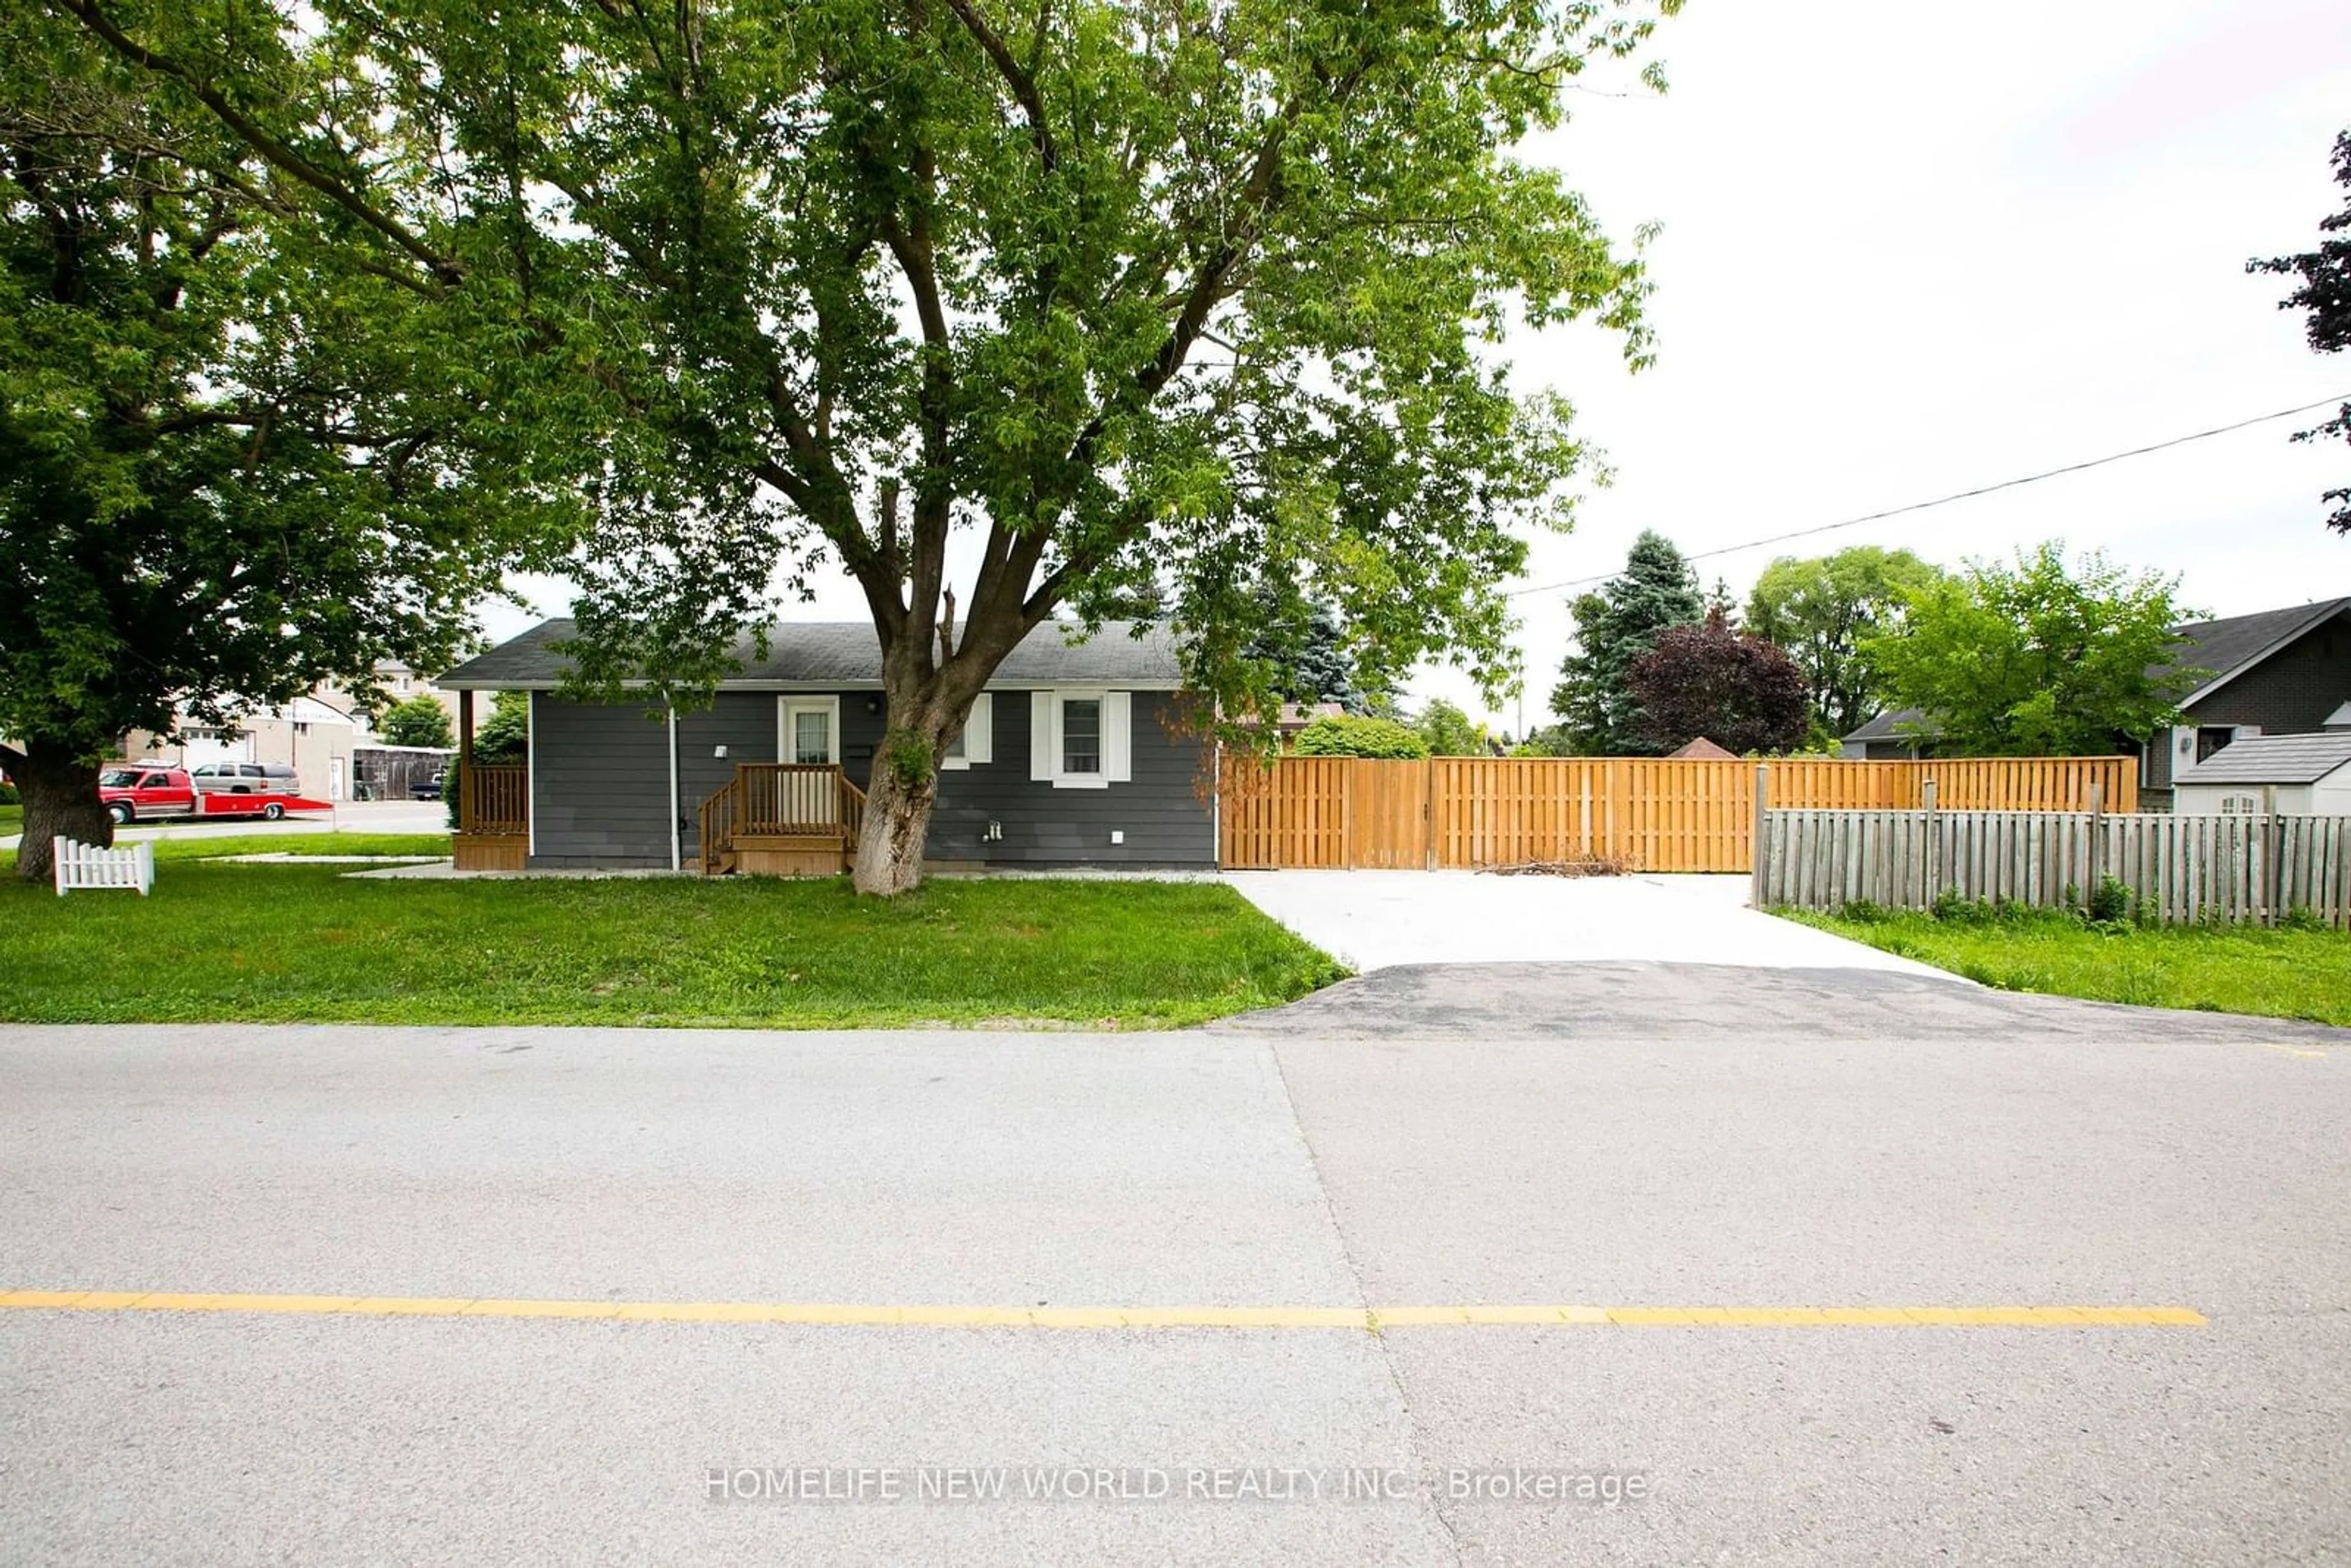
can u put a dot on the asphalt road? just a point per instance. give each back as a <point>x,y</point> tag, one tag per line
<point>1621,1135</point>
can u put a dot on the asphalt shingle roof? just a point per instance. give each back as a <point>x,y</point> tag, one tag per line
<point>1895,724</point>
<point>2273,759</point>
<point>2227,647</point>
<point>821,653</point>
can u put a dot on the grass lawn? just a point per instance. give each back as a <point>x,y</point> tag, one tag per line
<point>188,843</point>
<point>2276,973</point>
<point>290,943</point>
<point>196,847</point>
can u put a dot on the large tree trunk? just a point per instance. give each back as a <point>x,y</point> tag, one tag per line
<point>925,702</point>
<point>60,794</point>
<point>897,818</point>
<point>921,707</point>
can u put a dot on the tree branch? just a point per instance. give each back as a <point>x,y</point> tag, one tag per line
<point>446,268</point>
<point>1015,75</point>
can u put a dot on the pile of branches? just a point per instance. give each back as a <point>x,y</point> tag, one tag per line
<point>1579,865</point>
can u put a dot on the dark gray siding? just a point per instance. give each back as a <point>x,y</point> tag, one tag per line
<point>2155,772</point>
<point>742,722</point>
<point>2289,693</point>
<point>600,784</point>
<point>2293,690</point>
<point>1166,824</point>
<point>603,785</point>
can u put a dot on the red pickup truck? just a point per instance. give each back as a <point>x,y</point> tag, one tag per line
<point>144,791</point>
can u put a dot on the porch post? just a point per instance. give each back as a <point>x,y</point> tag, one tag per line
<point>677,810</point>
<point>1759,841</point>
<point>464,761</point>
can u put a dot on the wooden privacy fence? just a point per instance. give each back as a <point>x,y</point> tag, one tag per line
<point>2175,868</point>
<point>1652,813</point>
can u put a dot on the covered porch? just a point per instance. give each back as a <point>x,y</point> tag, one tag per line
<point>493,831</point>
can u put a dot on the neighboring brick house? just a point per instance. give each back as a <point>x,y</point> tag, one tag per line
<point>2280,672</point>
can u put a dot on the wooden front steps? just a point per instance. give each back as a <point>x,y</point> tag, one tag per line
<point>782,819</point>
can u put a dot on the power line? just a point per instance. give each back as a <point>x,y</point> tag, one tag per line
<point>1962,495</point>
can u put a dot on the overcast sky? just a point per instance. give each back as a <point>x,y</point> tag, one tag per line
<point>1909,250</point>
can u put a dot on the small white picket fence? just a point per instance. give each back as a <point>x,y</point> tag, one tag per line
<point>87,865</point>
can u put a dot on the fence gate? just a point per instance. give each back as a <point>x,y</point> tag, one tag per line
<point>1385,809</point>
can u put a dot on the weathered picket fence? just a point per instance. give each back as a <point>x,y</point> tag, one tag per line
<point>2176,868</point>
<point>87,865</point>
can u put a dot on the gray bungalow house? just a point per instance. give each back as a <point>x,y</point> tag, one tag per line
<point>2281,672</point>
<point>1077,754</point>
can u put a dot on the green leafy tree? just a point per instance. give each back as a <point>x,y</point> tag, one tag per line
<point>418,721</point>
<point>1729,686</point>
<point>1128,291</point>
<point>1613,628</point>
<point>2326,294</point>
<point>1545,740</point>
<point>1343,734</point>
<point>222,478</point>
<point>505,736</point>
<point>1448,731</point>
<point>2038,659</point>
<point>1819,611</point>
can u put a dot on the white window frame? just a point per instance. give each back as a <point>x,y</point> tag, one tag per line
<point>789,706</point>
<point>978,736</point>
<point>1116,740</point>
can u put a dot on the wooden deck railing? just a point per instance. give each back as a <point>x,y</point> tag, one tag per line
<point>721,813</point>
<point>782,800</point>
<point>789,796</point>
<point>492,798</point>
<point>852,815</point>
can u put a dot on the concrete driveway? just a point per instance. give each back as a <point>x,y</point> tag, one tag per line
<point>1373,919</point>
<point>512,1295</point>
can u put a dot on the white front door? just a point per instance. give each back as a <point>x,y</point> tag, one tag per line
<point>810,730</point>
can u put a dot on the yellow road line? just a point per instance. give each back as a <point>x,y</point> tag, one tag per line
<point>1373,1319</point>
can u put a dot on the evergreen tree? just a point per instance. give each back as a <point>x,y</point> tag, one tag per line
<point>1307,647</point>
<point>505,736</point>
<point>1719,601</point>
<point>1613,627</point>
